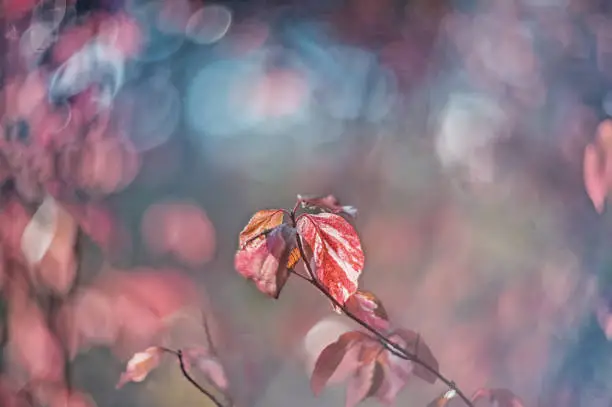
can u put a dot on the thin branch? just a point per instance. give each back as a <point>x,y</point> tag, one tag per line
<point>386,342</point>
<point>179,355</point>
<point>213,351</point>
<point>211,345</point>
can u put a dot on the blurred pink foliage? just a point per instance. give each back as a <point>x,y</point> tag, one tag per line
<point>465,202</point>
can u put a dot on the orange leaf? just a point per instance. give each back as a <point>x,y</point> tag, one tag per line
<point>337,257</point>
<point>443,399</point>
<point>261,222</point>
<point>265,259</point>
<point>294,257</point>
<point>140,365</point>
<point>594,180</point>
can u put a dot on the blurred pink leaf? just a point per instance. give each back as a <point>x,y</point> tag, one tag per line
<point>108,165</point>
<point>498,397</point>
<point>181,229</point>
<point>99,223</point>
<point>32,344</point>
<point>142,299</point>
<point>94,317</point>
<point>594,181</point>
<point>212,368</point>
<point>13,221</point>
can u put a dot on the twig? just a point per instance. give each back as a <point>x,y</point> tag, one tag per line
<point>211,345</point>
<point>386,342</point>
<point>179,355</point>
<point>213,351</point>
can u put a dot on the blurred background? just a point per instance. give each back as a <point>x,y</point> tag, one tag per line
<point>473,136</point>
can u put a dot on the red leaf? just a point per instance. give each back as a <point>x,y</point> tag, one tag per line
<point>333,356</point>
<point>261,222</point>
<point>328,203</point>
<point>337,257</point>
<point>594,178</point>
<point>359,384</point>
<point>415,345</point>
<point>369,309</point>
<point>140,365</point>
<point>500,397</point>
<point>266,259</point>
<point>396,370</point>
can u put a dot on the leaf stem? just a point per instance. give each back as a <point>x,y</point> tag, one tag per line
<point>386,342</point>
<point>179,355</point>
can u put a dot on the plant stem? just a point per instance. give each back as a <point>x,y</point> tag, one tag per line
<point>386,342</point>
<point>179,355</point>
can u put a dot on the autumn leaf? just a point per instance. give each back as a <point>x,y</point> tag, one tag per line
<point>294,257</point>
<point>443,399</point>
<point>267,258</point>
<point>333,356</point>
<point>414,344</point>
<point>140,365</point>
<point>594,178</point>
<point>337,257</point>
<point>359,384</point>
<point>367,307</point>
<point>370,369</point>
<point>261,222</point>
<point>396,372</point>
<point>369,376</point>
<point>499,397</point>
<point>328,203</point>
